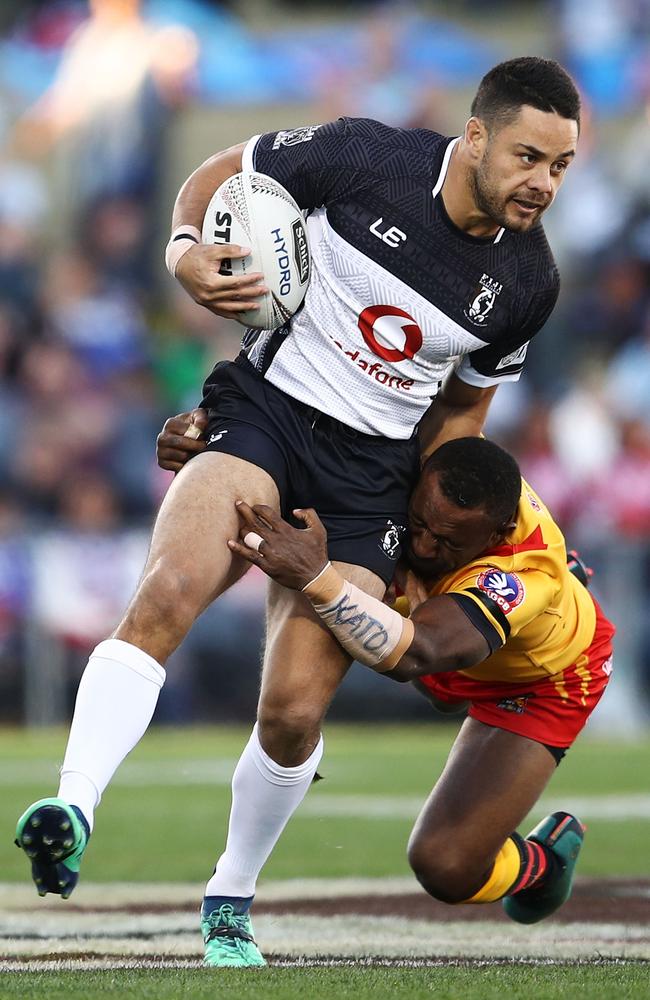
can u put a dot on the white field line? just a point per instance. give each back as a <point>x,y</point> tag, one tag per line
<point>21,898</point>
<point>211,772</point>
<point>282,962</point>
<point>321,804</point>
<point>176,935</point>
<point>33,931</point>
<point>588,807</point>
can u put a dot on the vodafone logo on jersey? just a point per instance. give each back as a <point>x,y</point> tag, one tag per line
<point>390,333</point>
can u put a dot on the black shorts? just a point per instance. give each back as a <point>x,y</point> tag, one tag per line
<point>359,484</point>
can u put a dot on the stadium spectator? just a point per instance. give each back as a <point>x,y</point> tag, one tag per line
<point>118,76</point>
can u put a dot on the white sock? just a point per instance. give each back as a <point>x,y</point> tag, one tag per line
<point>264,797</point>
<point>115,702</point>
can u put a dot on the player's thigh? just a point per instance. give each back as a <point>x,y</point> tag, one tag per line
<point>303,663</point>
<point>198,516</point>
<point>490,782</point>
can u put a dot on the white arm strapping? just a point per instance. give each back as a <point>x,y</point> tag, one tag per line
<point>368,630</point>
<point>182,239</point>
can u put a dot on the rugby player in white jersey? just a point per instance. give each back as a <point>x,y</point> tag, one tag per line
<point>430,274</point>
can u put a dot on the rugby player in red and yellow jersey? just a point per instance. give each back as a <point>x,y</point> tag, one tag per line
<point>499,624</point>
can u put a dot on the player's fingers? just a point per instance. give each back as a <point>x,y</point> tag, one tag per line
<point>246,552</point>
<point>223,251</point>
<point>177,424</point>
<point>199,417</point>
<point>232,308</point>
<point>259,518</point>
<point>309,516</point>
<point>181,443</point>
<point>243,281</point>
<point>254,541</point>
<point>235,293</point>
<point>175,456</point>
<point>249,518</point>
<point>267,514</point>
<point>170,466</point>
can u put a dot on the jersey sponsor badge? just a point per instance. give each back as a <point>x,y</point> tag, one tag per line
<point>505,589</point>
<point>294,136</point>
<point>390,333</point>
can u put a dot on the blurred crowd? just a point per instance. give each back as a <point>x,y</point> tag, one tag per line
<point>97,345</point>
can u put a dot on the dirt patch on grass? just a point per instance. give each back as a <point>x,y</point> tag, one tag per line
<point>593,901</point>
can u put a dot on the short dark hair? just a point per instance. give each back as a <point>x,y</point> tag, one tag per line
<point>540,83</point>
<point>474,472</point>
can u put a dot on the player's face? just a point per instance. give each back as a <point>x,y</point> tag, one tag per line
<point>522,167</point>
<point>442,536</point>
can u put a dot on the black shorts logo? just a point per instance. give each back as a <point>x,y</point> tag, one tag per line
<point>391,539</point>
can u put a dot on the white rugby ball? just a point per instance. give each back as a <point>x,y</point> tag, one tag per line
<point>253,210</point>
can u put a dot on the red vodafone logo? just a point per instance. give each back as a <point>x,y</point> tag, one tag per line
<point>384,326</point>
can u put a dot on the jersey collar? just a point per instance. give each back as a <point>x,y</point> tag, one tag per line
<point>441,180</point>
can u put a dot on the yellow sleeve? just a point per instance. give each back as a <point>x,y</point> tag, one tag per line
<point>401,605</point>
<point>501,603</point>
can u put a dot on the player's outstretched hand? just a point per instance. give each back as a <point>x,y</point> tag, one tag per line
<point>182,437</point>
<point>199,272</point>
<point>291,556</point>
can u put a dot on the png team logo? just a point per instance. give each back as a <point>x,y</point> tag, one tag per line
<point>505,589</point>
<point>516,705</point>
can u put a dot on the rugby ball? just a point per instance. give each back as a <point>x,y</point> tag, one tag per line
<point>253,210</point>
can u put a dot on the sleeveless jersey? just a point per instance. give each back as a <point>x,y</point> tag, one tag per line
<point>398,296</point>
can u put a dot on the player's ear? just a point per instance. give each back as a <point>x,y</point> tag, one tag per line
<point>500,534</point>
<point>476,137</point>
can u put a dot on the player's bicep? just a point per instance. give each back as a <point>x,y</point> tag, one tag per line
<point>501,602</point>
<point>444,639</point>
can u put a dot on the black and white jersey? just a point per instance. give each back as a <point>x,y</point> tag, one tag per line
<point>398,294</point>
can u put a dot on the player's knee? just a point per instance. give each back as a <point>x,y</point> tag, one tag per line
<point>169,599</point>
<point>289,733</point>
<point>442,869</point>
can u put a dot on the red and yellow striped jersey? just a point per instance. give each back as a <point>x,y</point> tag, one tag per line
<point>536,616</point>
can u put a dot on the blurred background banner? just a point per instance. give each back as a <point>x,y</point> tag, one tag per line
<point>105,107</point>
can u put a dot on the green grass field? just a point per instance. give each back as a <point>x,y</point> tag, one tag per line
<point>164,818</point>
<point>518,982</point>
<point>178,780</point>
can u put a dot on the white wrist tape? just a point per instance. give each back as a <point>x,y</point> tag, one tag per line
<point>182,239</point>
<point>371,632</point>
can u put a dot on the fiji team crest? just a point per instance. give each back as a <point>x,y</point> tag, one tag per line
<point>505,589</point>
<point>391,538</point>
<point>482,302</point>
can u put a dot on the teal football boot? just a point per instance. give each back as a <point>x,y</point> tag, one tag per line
<point>54,836</point>
<point>562,834</point>
<point>228,934</point>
